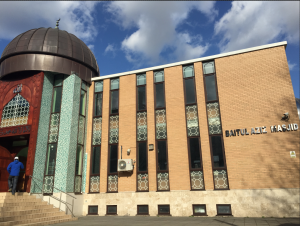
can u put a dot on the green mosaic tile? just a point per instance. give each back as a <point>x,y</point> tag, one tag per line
<point>85,135</point>
<point>67,139</point>
<point>42,137</point>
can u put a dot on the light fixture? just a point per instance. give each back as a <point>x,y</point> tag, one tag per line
<point>128,151</point>
<point>151,147</point>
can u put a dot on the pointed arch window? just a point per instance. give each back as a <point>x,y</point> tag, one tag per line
<point>15,112</point>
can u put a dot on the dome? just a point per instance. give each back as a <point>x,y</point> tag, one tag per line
<point>48,49</point>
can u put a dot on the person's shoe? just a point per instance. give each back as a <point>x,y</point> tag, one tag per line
<point>9,189</point>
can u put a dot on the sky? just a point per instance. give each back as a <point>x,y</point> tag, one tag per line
<point>126,36</point>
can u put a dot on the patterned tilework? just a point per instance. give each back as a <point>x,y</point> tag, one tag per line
<point>67,138</point>
<point>41,144</point>
<point>85,135</point>
<point>84,173</point>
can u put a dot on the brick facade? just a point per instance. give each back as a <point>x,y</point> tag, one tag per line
<point>254,90</point>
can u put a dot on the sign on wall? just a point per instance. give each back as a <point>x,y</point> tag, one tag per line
<point>15,131</point>
<point>262,130</point>
<point>293,154</point>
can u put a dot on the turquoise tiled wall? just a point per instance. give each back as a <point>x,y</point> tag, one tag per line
<point>41,145</point>
<point>85,155</point>
<point>67,139</point>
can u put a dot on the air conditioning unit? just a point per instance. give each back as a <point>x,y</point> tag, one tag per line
<point>125,165</point>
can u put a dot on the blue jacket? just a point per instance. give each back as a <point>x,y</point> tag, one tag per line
<point>14,168</point>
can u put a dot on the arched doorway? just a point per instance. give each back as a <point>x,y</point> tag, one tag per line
<point>11,147</point>
<point>5,159</point>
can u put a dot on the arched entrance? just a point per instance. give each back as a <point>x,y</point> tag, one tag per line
<point>11,147</point>
<point>5,159</point>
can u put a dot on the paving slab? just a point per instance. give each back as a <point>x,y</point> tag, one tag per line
<point>180,221</point>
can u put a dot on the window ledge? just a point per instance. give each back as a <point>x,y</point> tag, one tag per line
<point>224,215</point>
<point>202,215</point>
<point>111,214</point>
<point>164,215</point>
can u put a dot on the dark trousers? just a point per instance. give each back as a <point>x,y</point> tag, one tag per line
<point>12,183</point>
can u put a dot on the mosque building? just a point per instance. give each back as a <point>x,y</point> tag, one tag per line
<point>211,136</point>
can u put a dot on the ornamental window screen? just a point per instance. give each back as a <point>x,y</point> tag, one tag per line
<point>213,115</point>
<point>217,151</point>
<point>161,124</point>
<point>15,112</point>
<point>141,136</point>
<point>192,128</point>
<point>114,129</point>
<point>80,138</point>
<point>113,139</point>
<point>96,139</point>
<point>53,134</point>
<point>162,166</point>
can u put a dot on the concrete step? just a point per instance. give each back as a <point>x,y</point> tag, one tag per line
<point>50,222</point>
<point>32,216</point>
<point>31,203</point>
<point>19,200</point>
<point>38,205</point>
<point>43,220</point>
<point>10,213</point>
<point>16,194</point>
<point>17,197</point>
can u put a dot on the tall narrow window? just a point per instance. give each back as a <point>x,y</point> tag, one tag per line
<point>161,133</point>
<point>80,139</point>
<point>112,183</point>
<point>192,125</point>
<point>142,154</point>
<point>215,127</point>
<point>53,134</point>
<point>96,139</point>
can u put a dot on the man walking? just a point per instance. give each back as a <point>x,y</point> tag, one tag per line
<point>14,169</point>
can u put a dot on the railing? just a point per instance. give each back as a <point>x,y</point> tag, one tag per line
<point>58,199</point>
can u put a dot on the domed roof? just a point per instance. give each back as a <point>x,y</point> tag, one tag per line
<point>52,41</point>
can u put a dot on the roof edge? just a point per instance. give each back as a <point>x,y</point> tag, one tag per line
<point>283,43</point>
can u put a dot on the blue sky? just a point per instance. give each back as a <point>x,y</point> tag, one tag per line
<point>125,36</point>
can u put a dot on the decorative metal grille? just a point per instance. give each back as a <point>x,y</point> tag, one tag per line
<point>197,180</point>
<point>213,114</point>
<point>113,183</point>
<point>220,178</point>
<point>97,129</point>
<point>95,184</point>
<point>161,124</point>
<point>113,129</point>
<point>81,129</point>
<point>141,126</point>
<point>163,181</point>
<point>143,183</point>
<point>209,68</point>
<point>54,124</point>
<point>98,86</point>
<point>48,184</point>
<point>192,120</point>
<point>77,184</point>
<point>15,112</point>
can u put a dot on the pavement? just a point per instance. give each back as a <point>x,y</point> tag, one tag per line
<point>180,221</point>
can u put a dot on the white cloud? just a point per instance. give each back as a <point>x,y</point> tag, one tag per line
<point>75,17</point>
<point>110,48</point>
<point>249,24</point>
<point>291,66</point>
<point>91,47</point>
<point>156,24</point>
